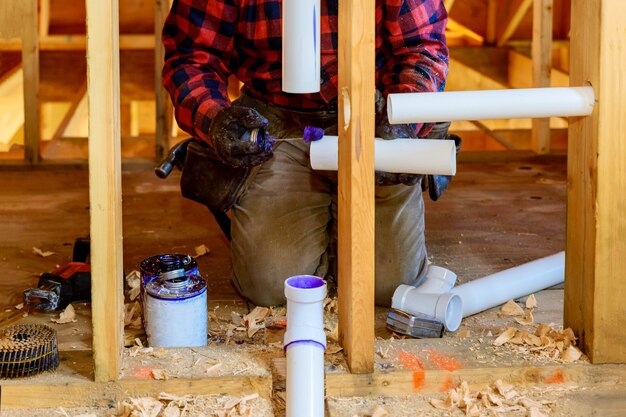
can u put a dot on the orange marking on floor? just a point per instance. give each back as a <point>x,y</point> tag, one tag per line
<point>448,384</point>
<point>556,378</point>
<point>412,362</point>
<point>442,361</point>
<point>144,373</point>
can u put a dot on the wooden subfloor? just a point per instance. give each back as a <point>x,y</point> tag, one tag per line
<point>495,216</point>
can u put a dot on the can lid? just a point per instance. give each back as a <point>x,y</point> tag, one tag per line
<point>178,288</point>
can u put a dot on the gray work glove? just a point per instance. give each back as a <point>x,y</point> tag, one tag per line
<point>387,131</point>
<point>230,132</point>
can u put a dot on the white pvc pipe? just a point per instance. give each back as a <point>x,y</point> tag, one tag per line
<point>445,307</point>
<point>301,46</point>
<point>438,299</point>
<point>305,343</point>
<point>408,156</point>
<point>438,280</point>
<point>490,104</point>
<point>498,288</point>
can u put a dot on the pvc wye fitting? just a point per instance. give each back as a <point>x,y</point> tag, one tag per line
<point>446,307</point>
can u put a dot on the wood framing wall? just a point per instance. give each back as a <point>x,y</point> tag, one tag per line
<point>356,182</point>
<point>105,187</point>
<point>595,287</point>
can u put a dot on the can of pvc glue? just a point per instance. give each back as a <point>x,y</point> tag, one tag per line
<point>152,267</point>
<point>176,310</point>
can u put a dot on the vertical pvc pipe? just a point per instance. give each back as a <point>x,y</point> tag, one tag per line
<point>305,343</point>
<point>490,104</point>
<point>301,46</point>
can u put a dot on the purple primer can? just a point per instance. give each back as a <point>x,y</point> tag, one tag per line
<point>151,268</point>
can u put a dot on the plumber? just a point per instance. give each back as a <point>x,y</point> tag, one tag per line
<point>283,214</point>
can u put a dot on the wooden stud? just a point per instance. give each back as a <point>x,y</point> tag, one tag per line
<point>105,186</point>
<point>356,182</point>
<point>492,22</point>
<point>542,67</point>
<point>595,270</point>
<point>449,4</point>
<point>30,66</point>
<point>163,106</point>
<point>44,18</point>
<point>514,22</point>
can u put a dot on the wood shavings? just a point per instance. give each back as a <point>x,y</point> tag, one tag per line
<point>133,280</point>
<point>160,374</point>
<point>383,353</point>
<point>507,335</point>
<point>330,305</point>
<point>544,340</point>
<point>531,301</point>
<point>571,354</point>
<point>132,315</point>
<point>19,306</point>
<point>497,398</point>
<point>527,320</point>
<point>67,316</point>
<point>254,318</point>
<point>535,412</point>
<point>334,349</point>
<point>41,253</point>
<point>511,308</point>
<point>464,333</point>
<point>201,250</point>
<point>236,318</point>
<point>214,369</point>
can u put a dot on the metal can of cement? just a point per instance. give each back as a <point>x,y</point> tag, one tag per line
<point>151,268</point>
<point>176,310</point>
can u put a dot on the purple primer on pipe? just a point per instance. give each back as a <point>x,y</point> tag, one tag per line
<point>311,134</point>
<point>305,282</point>
<point>305,342</point>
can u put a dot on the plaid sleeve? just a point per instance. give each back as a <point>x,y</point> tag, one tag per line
<point>198,37</point>
<point>417,57</point>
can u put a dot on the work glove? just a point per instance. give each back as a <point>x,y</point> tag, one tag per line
<point>437,184</point>
<point>234,140</point>
<point>387,131</point>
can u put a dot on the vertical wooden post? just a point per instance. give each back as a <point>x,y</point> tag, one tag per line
<point>356,182</point>
<point>105,186</point>
<point>542,68</point>
<point>492,22</point>
<point>30,67</point>
<point>595,284</point>
<point>161,9</point>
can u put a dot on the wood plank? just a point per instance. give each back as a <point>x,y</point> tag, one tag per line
<point>105,186</point>
<point>514,22</point>
<point>76,101</point>
<point>492,22</point>
<point>542,67</point>
<point>163,106</point>
<point>74,42</point>
<point>44,18</point>
<point>595,266</point>
<point>93,394</point>
<point>30,66</point>
<point>356,182</point>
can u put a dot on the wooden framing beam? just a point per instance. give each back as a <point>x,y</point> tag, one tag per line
<point>542,67</point>
<point>514,22</point>
<point>356,182</point>
<point>162,132</point>
<point>520,71</point>
<point>595,284</point>
<point>105,186</point>
<point>72,42</point>
<point>492,22</point>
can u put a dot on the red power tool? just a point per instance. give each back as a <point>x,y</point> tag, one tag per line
<point>67,283</point>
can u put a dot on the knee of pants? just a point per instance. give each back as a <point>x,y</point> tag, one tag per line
<point>261,279</point>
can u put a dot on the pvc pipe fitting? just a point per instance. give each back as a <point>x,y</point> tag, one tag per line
<point>305,343</point>
<point>445,307</point>
<point>402,155</point>
<point>438,280</point>
<point>301,46</point>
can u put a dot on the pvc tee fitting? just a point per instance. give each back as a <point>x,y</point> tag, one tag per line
<point>305,342</point>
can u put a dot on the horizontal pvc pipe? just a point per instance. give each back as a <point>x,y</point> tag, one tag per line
<point>489,104</point>
<point>301,46</point>
<point>408,156</point>
<point>305,342</point>
<point>493,290</point>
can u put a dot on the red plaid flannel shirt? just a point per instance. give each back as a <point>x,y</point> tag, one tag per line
<point>207,40</point>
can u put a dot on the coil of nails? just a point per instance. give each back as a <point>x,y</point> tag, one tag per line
<point>27,349</point>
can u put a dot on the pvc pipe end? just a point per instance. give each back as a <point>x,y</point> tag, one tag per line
<point>449,309</point>
<point>305,289</point>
